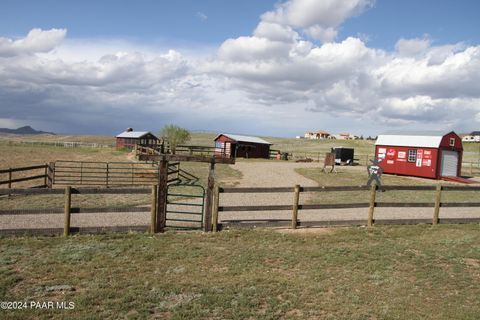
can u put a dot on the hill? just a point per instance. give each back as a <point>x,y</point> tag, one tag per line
<point>23,130</point>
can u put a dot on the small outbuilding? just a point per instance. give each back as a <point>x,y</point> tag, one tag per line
<point>233,146</point>
<point>421,154</point>
<point>129,138</point>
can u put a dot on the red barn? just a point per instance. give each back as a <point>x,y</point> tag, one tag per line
<point>233,146</point>
<point>426,154</point>
<point>129,138</point>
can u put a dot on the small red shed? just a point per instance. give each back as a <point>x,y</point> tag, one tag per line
<point>129,138</point>
<point>422,154</point>
<point>233,146</point>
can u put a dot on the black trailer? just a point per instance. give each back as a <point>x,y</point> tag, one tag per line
<point>343,155</point>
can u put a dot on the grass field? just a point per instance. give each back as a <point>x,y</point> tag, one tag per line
<point>412,272</point>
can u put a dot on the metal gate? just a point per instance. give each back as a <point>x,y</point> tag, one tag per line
<point>449,163</point>
<point>111,174</point>
<point>185,206</point>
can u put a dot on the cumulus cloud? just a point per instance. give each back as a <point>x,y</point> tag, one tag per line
<point>319,19</point>
<point>276,80</point>
<point>36,41</point>
<point>412,47</point>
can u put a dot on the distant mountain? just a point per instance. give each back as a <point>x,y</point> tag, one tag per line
<point>23,130</point>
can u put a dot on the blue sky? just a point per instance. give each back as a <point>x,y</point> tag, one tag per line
<point>255,67</point>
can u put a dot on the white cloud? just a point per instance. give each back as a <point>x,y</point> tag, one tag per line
<point>412,47</point>
<point>36,41</point>
<point>202,16</point>
<point>319,19</point>
<point>274,81</point>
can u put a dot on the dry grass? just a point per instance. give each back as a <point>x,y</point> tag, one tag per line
<point>409,272</point>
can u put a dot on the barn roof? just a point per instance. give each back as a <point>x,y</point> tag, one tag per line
<point>241,138</point>
<point>134,134</point>
<point>425,139</point>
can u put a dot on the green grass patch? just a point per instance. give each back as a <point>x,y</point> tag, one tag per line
<point>401,272</point>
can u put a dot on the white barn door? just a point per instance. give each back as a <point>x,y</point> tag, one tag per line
<point>449,163</point>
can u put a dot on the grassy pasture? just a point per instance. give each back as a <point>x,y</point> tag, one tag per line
<point>402,272</point>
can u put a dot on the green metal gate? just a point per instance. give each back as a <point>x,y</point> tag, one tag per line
<point>185,206</point>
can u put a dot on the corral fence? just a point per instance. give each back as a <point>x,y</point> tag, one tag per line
<point>159,209</point>
<point>25,176</point>
<point>369,203</point>
<point>191,150</point>
<point>161,214</point>
<point>110,174</point>
<point>91,173</point>
<point>64,144</point>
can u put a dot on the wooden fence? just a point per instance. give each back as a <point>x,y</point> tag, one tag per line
<point>91,173</point>
<point>42,172</point>
<point>64,144</point>
<point>67,211</point>
<point>111,174</point>
<point>369,203</point>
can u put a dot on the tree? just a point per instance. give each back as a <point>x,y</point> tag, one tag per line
<point>175,136</point>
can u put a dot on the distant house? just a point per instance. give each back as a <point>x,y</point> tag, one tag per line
<point>233,146</point>
<point>129,138</point>
<point>346,136</point>
<point>319,135</point>
<point>472,137</point>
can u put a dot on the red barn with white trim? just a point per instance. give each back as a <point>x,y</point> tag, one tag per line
<point>423,154</point>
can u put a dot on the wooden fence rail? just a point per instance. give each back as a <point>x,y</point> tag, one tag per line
<point>68,210</point>
<point>371,205</point>
<point>32,173</point>
<point>157,224</point>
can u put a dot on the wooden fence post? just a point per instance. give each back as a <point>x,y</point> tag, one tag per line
<point>209,201</point>
<point>216,204</point>
<point>438,197</point>
<point>51,174</point>
<point>162,194</point>
<point>296,198</point>
<point>9,178</point>
<point>45,178</point>
<point>371,208</point>
<point>68,202</point>
<point>107,174</point>
<point>153,210</point>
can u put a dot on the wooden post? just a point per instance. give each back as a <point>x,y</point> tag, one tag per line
<point>438,197</point>
<point>471,168</point>
<point>162,194</point>
<point>9,178</point>
<point>45,177</point>
<point>216,197</point>
<point>68,202</point>
<point>209,201</point>
<point>371,208</point>
<point>51,176</point>
<point>153,210</point>
<point>107,174</point>
<point>296,198</point>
